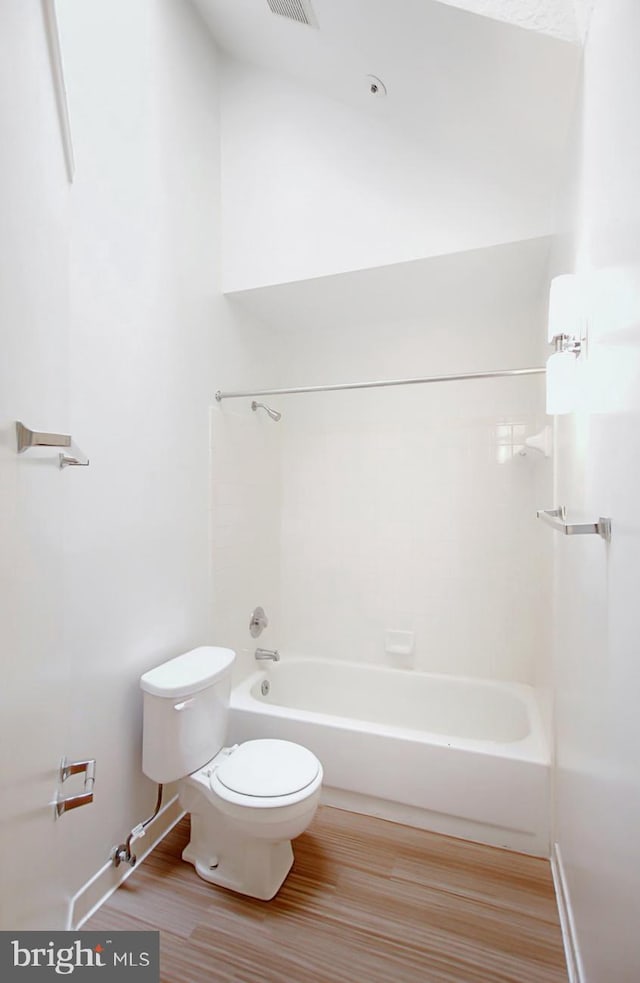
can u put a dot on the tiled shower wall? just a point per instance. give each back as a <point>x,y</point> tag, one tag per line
<point>405,509</point>
<point>414,511</point>
<point>245,525</point>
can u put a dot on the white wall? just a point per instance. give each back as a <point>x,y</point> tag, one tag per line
<point>597,681</point>
<point>143,254</point>
<point>313,186</point>
<point>34,309</point>
<point>115,331</point>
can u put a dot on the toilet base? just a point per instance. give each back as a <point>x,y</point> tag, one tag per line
<point>239,845</point>
<point>257,868</point>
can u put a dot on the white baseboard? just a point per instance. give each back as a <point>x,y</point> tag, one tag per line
<point>575,968</point>
<point>105,881</point>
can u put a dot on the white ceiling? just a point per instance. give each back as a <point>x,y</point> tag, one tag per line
<point>485,78</point>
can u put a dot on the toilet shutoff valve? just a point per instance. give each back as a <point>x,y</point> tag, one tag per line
<point>122,854</point>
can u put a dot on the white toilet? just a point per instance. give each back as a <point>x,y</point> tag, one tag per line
<point>246,802</point>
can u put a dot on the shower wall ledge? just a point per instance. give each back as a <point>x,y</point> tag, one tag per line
<point>504,276</point>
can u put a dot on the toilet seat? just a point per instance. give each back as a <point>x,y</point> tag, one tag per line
<point>266,774</point>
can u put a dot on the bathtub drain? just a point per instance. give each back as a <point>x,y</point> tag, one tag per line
<point>265,687</point>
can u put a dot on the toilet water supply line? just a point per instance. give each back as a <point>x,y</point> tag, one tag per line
<point>122,854</point>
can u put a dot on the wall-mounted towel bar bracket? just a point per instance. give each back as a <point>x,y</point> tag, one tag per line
<point>68,768</point>
<point>66,461</point>
<point>37,438</point>
<point>557,519</point>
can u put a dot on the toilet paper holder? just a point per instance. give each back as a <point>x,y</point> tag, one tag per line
<point>67,768</point>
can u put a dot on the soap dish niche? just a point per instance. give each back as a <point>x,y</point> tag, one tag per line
<point>399,644</point>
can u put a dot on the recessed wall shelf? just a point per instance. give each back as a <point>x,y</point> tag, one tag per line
<point>556,518</point>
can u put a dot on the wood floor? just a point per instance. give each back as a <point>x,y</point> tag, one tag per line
<point>367,901</point>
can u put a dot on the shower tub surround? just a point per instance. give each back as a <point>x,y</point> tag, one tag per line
<point>460,756</point>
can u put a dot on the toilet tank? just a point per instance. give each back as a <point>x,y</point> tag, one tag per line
<point>185,712</point>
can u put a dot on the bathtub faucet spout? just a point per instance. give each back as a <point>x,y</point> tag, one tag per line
<point>267,655</point>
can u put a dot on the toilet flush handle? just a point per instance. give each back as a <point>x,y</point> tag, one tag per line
<point>184,705</point>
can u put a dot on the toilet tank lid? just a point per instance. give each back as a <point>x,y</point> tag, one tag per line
<point>188,673</point>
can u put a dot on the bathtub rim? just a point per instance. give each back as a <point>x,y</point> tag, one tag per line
<point>534,747</point>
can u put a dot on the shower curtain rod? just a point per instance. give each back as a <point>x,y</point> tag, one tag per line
<point>381,384</point>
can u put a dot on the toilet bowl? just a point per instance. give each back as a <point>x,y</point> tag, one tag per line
<point>247,802</point>
<point>246,806</point>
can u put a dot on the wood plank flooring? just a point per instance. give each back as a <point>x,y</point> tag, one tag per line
<point>367,901</point>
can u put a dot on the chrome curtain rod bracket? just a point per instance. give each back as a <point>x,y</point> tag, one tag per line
<point>380,384</point>
<point>557,519</point>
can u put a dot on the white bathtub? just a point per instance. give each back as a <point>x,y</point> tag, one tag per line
<point>465,757</point>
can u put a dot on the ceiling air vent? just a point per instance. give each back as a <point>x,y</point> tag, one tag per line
<point>299,10</point>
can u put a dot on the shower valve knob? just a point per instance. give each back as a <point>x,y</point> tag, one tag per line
<point>258,622</point>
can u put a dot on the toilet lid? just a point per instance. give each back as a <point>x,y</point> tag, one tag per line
<point>268,768</point>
